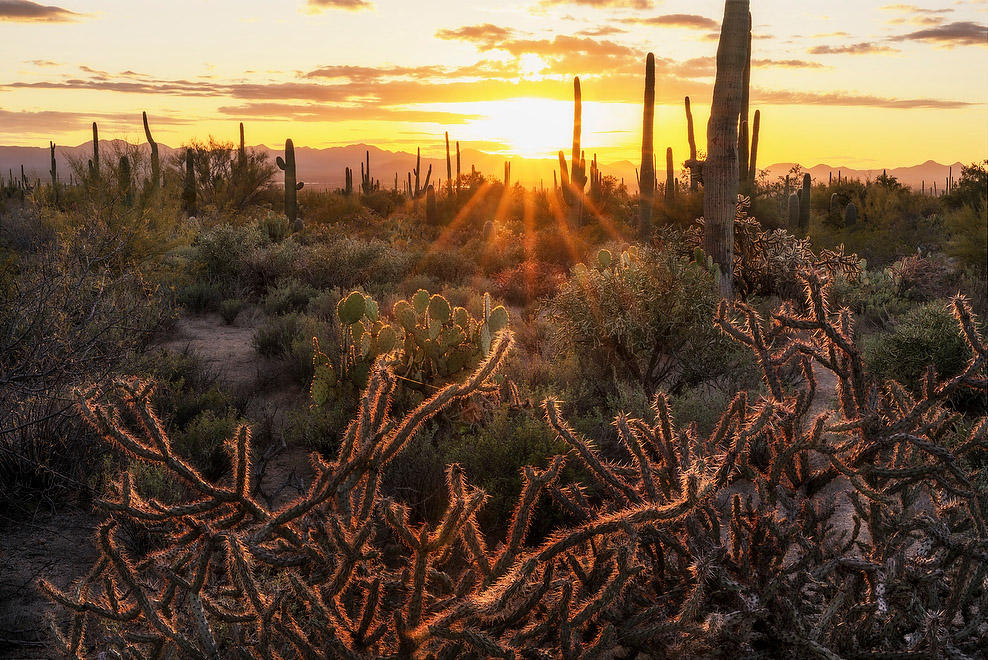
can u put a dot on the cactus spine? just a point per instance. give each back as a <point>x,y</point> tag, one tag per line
<point>189,189</point>
<point>646,177</point>
<point>155,162</point>
<point>720,172</point>
<point>292,185</point>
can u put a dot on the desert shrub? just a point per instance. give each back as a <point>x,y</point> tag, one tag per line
<point>323,304</point>
<point>221,251</point>
<point>289,338</point>
<point>925,278</point>
<point>528,282</point>
<point>926,335</point>
<point>224,181</point>
<point>968,243</point>
<point>644,316</point>
<point>202,442</point>
<point>200,296</point>
<point>230,309</point>
<point>874,297</point>
<point>349,262</point>
<point>269,263</point>
<point>447,264</point>
<point>288,295</point>
<point>276,226</point>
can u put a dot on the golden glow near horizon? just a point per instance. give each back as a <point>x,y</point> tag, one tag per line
<point>868,83</point>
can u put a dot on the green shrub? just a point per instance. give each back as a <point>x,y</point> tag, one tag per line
<point>874,298</point>
<point>201,442</point>
<point>221,251</point>
<point>230,309</point>
<point>289,295</point>
<point>200,296</point>
<point>923,336</point>
<point>644,316</point>
<point>289,338</point>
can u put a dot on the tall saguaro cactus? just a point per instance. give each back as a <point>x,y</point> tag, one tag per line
<point>189,188</point>
<point>292,184</point>
<point>670,177</point>
<point>242,152</point>
<point>646,177</point>
<point>804,204</point>
<point>720,171</point>
<point>753,157</point>
<point>449,169</point>
<point>420,190</point>
<point>693,164</point>
<point>155,162</point>
<point>743,123</point>
<point>54,170</point>
<point>94,163</point>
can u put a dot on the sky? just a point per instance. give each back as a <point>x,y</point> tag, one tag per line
<point>860,83</point>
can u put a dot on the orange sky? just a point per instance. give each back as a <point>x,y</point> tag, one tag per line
<point>862,83</point>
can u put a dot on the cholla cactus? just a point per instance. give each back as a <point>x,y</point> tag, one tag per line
<point>695,546</point>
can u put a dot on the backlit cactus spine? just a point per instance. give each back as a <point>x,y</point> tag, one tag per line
<point>292,185</point>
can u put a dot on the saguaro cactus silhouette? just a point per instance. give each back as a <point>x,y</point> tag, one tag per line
<point>695,166</point>
<point>155,161</point>
<point>54,172</point>
<point>720,171</point>
<point>94,163</point>
<point>292,185</point>
<point>189,188</point>
<point>753,156</point>
<point>646,176</point>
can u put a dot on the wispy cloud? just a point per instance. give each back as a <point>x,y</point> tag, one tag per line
<point>863,48</point>
<point>349,5</point>
<point>960,33</point>
<point>24,11</point>
<point>692,21</point>
<point>608,4</point>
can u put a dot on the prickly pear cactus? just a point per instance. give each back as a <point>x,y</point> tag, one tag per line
<point>364,337</point>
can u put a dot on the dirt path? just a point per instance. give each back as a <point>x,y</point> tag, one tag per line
<point>58,547</point>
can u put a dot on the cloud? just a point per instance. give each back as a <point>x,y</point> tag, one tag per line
<point>863,48</point>
<point>24,11</point>
<point>486,35</point>
<point>961,33</point>
<point>787,97</point>
<point>692,21</point>
<point>602,4</point>
<point>42,63</point>
<point>349,5</point>
<point>787,64</point>
<point>322,112</point>
<point>55,121</point>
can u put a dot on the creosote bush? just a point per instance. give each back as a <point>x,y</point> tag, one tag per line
<point>688,545</point>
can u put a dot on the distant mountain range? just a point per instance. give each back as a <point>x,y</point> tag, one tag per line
<point>324,168</point>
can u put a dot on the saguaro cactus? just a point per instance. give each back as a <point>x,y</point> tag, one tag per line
<point>431,208</point>
<point>793,211</point>
<point>804,203</point>
<point>743,123</point>
<point>850,215</point>
<point>189,189</point>
<point>720,171</point>
<point>507,175</point>
<point>417,171</point>
<point>578,175</point>
<point>53,171</point>
<point>94,163</point>
<point>366,183</point>
<point>292,185</point>
<point>646,177</point>
<point>242,152</point>
<point>753,157</point>
<point>457,167</point>
<point>596,179</point>
<point>449,169</point>
<point>694,166</point>
<point>124,184</point>
<point>155,162</point>
<point>670,177</point>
